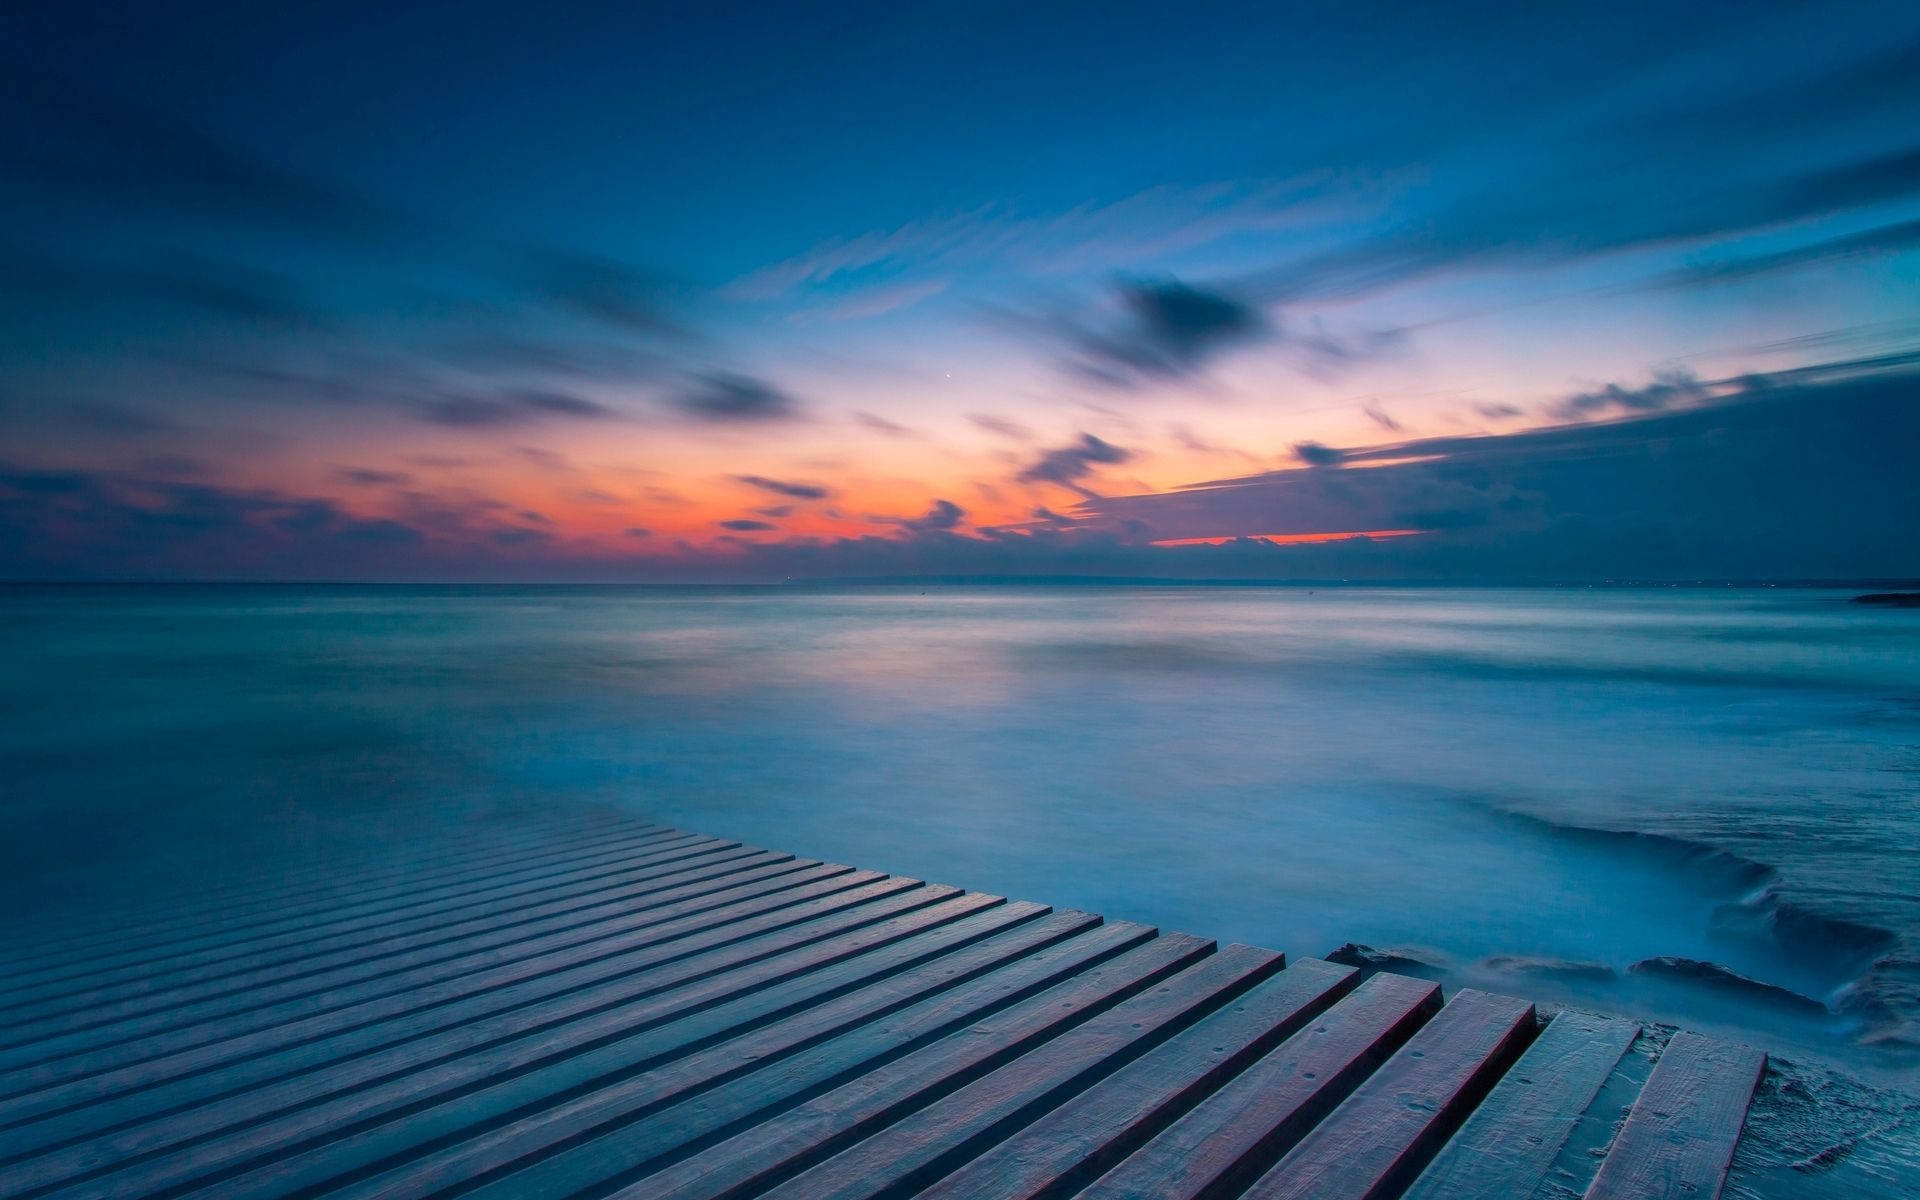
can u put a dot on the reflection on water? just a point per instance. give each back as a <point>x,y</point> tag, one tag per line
<point>1695,805</point>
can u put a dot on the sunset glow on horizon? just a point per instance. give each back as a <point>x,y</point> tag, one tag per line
<point>881,297</point>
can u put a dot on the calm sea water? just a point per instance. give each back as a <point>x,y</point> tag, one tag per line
<point>1701,806</point>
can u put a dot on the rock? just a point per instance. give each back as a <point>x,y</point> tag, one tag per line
<point>1370,959</point>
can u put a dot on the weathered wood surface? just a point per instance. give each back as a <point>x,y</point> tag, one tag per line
<point>137,953</point>
<point>598,1007</point>
<point>304,955</point>
<point>205,954</point>
<point>1074,1143</point>
<point>1508,1146</point>
<point>448,856</point>
<point>1678,1141</point>
<point>1236,1134</point>
<point>1379,1137</point>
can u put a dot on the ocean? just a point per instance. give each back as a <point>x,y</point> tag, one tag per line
<point>1695,805</point>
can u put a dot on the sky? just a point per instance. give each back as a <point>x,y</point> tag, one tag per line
<point>676,292</point>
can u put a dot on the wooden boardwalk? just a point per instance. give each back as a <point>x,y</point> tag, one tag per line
<point>613,1009</point>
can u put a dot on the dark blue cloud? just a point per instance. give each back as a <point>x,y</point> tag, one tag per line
<point>1801,474</point>
<point>247,295</point>
<point>1316,455</point>
<point>613,292</point>
<point>1895,238</point>
<point>944,516</point>
<point>1379,416</point>
<point>517,535</point>
<point>372,477</point>
<point>785,487</point>
<point>1168,329</point>
<point>1068,465</point>
<point>1635,190</point>
<point>1669,388</point>
<point>64,135</point>
<point>725,398</point>
<point>88,524</point>
<point>509,408</point>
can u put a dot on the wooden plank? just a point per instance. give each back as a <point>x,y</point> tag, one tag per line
<point>85,936</point>
<point>333,875</point>
<point>184,1026</point>
<point>51,1086</point>
<point>1067,1148</point>
<point>77,934</point>
<point>1508,1146</point>
<point>206,952</point>
<point>255,1087</point>
<point>199,953</point>
<point>1235,1135</point>
<point>287,955</point>
<point>922,1147</point>
<point>1679,1138</point>
<point>656,1015</point>
<point>355,1118</point>
<point>818,974</point>
<point>123,952</point>
<point>763,1154</point>
<point>1374,1144</point>
<point>1071,980</point>
<point>133,953</point>
<point>532,1141</point>
<point>239,987</point>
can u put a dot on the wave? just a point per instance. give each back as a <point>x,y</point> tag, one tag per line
<point>1732,872</point>
<point>1881,992</point>
<point>1847,946</point>
<point>1885,1000</point>
<point>1762,909</point>
<point>1727,981</point>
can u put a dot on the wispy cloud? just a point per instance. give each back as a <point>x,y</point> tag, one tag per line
<point>943,517</point>
<point>786,487</point>
<point>478,410</point>
<point>876,301</point>
<point>371,477</point>
<point>882,425</point>
<point>1000,426</point>
<point>724,397</point>
<point>1896,238</point>
<point>1100,236</point>
<point>1068,465</point>
<point>1670,387</point>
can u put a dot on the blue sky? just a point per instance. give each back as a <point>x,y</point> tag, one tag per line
<point>479,291</point>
